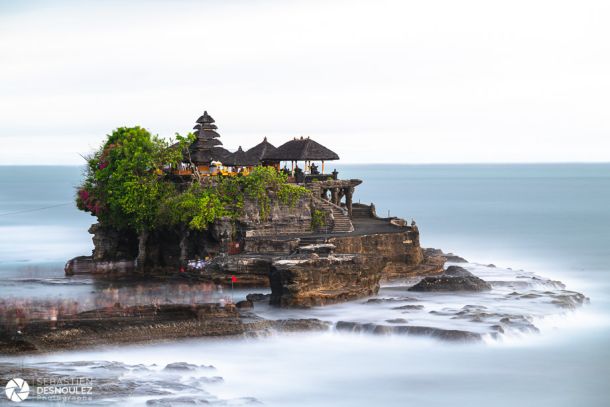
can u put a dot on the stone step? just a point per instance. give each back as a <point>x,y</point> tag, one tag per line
<point>342,222</point>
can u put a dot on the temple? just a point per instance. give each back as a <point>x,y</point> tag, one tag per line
<point>303,159</point>
<point>318,248</point>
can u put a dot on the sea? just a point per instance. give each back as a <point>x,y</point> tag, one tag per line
<point>547,220</point>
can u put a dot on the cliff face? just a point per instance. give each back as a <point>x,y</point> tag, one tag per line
<point>111,244</point>
<point>400,247</point>
<point>401,253</point>
<point>302,268</point>
<point>115,251</point>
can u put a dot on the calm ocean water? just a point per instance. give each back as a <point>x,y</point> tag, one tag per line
<point>550,219</point>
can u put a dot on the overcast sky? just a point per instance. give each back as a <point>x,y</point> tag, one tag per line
<point>376,81</point>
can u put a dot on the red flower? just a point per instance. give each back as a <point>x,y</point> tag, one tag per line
<point>84,195</point>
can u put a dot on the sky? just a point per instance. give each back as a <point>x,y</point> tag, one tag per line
<point>439,81</point>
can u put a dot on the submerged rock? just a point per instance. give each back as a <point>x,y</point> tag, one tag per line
<point>257,297</point>
<point>385,300</point>
<point>301,325</point>
<point>450,257</point>
<point>396,321</point>
<point>452,335</point>
<point>455,278</point>
<point>184,367</point>
<point>242,305</point>
<point>457,271</point>
<point>409,307</point>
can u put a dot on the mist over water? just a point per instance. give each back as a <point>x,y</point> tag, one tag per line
<point>551,220</point>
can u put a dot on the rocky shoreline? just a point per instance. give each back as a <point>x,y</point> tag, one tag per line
<point>146,324</point>
<point>306,270</point>
<point>255,316</point>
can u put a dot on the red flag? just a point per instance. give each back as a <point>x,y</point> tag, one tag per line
<point>233,279</point>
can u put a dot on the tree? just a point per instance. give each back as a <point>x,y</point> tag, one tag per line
<point>125,182</point>
<point>128,186</point>
<point>193,209</point>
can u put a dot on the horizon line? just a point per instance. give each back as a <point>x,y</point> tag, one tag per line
<point>385,163</point>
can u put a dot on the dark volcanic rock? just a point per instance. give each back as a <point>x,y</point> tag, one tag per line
<point>452,335</point>
<point>257,297</point>
<point>250,270</point>
<point>244,305</point>
<point>184,367</point>
<point>409,307</point>
<point>385,300</point>
<point>396,321</point>
<point>457,271</point>
<point>301,325</point>
<point>126,325</point>
<point>450,257</point>
<point>454,279</point>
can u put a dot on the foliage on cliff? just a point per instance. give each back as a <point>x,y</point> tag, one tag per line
<point>124,183</point>
<point>127,185</point>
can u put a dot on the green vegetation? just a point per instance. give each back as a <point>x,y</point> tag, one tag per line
<point>128,185</point>
<point>318,219</point>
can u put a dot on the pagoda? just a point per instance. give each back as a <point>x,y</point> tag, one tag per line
<point>206,148</point>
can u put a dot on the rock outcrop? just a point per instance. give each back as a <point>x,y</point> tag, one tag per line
<point>313,280</point>
<point>455,278</point>
<point>142,324</point>
<point>250,270</point>
<point>452,335</point>
<point>400,246</point>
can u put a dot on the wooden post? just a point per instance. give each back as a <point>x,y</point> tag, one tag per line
<point>322,167</point>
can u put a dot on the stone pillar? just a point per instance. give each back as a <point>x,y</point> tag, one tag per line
<point>348,200</point>
<point>334,196</point>
<point>342,192</point>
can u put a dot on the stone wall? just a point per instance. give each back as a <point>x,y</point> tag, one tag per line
<point>282,220</point>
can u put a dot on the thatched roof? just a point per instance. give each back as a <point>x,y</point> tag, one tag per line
<point>201,143</point>
<point>207,121</point>
<point>205,148</point>
<point>301,149</point>
<point>208,155</point>
<point>240,159</point>
<point>206,133</point>
<point>261,149</point>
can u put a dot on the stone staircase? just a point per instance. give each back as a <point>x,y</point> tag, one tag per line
<point>342,223</point>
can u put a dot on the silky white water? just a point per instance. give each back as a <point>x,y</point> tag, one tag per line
<point>551,221</point>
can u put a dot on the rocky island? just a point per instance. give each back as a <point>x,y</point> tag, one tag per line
<point>265,219</point>
<point>241,218</point>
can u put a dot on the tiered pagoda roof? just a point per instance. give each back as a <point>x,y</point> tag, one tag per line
<point>205,148</point>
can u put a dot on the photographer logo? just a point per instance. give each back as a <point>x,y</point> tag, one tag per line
<point>17,390</point>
